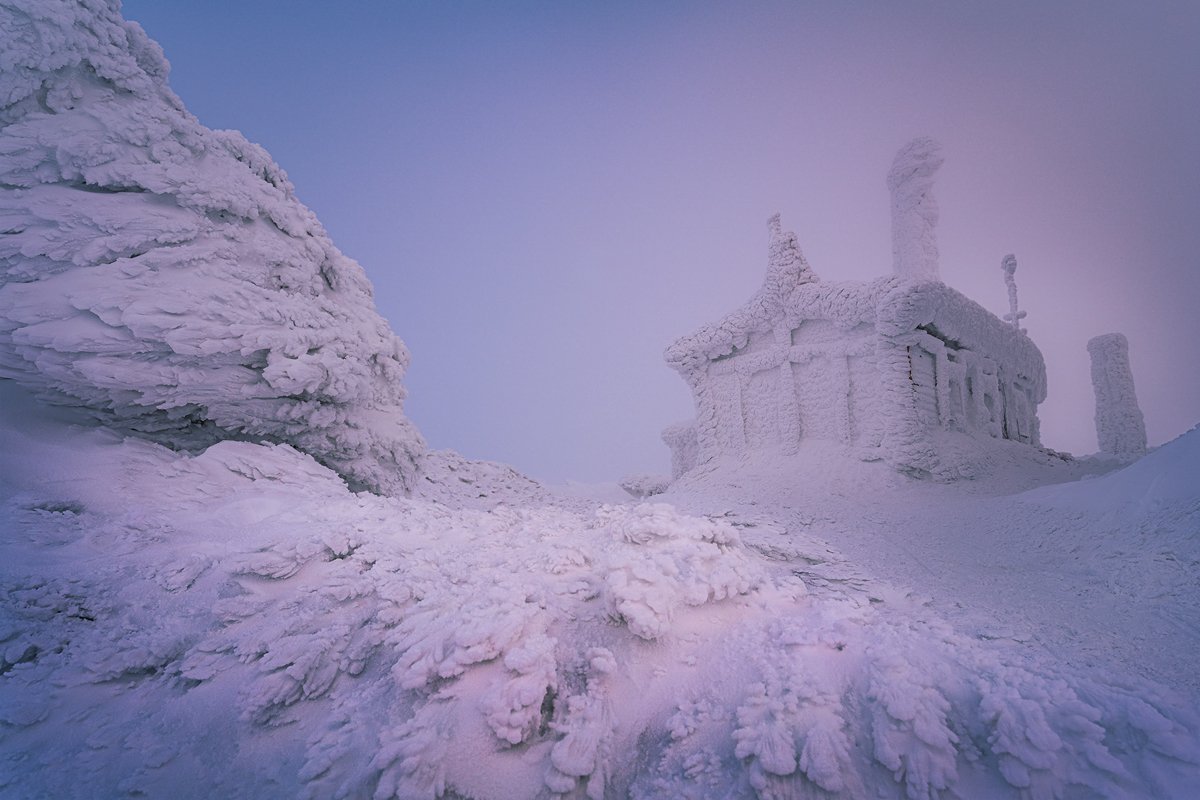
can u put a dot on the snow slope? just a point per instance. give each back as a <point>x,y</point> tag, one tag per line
<point>164,275</point>
<point>237,623</point>
<point>1100,572</point>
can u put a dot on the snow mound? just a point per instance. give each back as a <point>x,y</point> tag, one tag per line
<point>1162,478</point>
<point>249,628</point>
<point>459,482</point>
<point>164,275</point>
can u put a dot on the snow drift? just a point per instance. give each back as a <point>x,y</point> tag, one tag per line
<point>163,275</point>
<point>249,628</point>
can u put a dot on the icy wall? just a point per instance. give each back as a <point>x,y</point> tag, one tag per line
<point>164,275</point>
<point>1120,429</point>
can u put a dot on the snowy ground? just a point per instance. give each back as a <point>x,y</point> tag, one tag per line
<point>234,622</point>
<point>1095,571</point>
<point>239,624</point>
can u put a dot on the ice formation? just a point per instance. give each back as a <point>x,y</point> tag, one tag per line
<point>1120,428</point>
<point>914,210</point>
<point>164,275</point>
<point>1014,316</point>
<point>238,624</point>
<point>886,367</point>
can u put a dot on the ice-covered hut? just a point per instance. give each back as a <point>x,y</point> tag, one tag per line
<point>899,368</point>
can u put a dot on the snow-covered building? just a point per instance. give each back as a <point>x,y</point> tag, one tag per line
<point>897,368</point>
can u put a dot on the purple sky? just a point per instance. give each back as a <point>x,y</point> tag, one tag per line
<point>547,194</point>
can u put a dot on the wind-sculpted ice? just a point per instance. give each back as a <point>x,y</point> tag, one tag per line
<point>164,275</point>
<point>255,630</point>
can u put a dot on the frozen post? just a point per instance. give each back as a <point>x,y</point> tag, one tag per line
<point>1009,265</point>
<point>1120,427</point>
<point>914,211</point>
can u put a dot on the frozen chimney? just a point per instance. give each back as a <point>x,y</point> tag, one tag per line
<point>914,211</point>
<point>1120,428</point>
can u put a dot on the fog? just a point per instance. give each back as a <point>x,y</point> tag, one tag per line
<point>546,195</point>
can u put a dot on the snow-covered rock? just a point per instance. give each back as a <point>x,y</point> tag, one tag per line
<point>681,439</point>
<point>643,486</point>
<point>163,275</point>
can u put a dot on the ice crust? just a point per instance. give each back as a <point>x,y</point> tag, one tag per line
<point>163,275</point>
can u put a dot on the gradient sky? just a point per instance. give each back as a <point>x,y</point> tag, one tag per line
<point>545,195</point>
